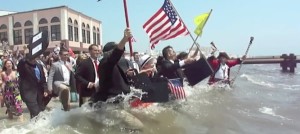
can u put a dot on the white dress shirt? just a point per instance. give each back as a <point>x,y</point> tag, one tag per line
<point>66,73</point>
<point>181,63</point>
<point>222,73</point>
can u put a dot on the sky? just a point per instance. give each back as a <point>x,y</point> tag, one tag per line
<point>275,24</point>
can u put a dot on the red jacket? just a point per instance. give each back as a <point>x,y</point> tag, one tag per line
<point>215,64</point>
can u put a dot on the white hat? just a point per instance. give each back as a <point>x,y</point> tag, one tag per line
<point>144,60</point>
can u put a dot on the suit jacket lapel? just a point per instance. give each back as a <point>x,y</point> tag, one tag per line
<point>31,70</point>
<point>91,62</point>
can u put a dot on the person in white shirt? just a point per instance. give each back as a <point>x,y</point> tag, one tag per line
<point>61,79</point>
<point>221,66</point>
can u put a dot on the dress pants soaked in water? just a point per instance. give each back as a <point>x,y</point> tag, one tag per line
<point>35,107</point>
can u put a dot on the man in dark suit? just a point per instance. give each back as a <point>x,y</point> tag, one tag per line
<point>61,79</point>
<point>112,80</point>
<point>170,64</point>
<point>33,86</point>
<point>86,74</point>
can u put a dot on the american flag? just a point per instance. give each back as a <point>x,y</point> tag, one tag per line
<point>164,24</point>
<point>176,88</point>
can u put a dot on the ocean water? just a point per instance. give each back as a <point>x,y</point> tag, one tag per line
<point>263,100</point>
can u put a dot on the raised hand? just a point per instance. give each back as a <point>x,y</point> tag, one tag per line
<point>127,34</point>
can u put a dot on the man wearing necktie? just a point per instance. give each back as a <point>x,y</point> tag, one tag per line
<point>86,74</point>
<point>33,86</point>
<point>61,79</point>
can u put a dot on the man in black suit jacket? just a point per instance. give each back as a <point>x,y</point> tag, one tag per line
<point>170,64</point>
<point>86,74</point>
<point>33,86</point>
<point>112,80</point>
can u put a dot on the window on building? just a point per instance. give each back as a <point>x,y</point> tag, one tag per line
<point>17,24</point>
<point>28,34</point>
<point>18,37</point>
<point>17,33</point>
<point>83,33</point>
<point>55,29</point>
<point>88,34</point>
<point>3,31</point>
<point>3,27</point>
<point>70,29</point>
<point>43,28</point>
<point>3,35</point>
<point>83,36</point>
<point>94,35</point>
<point>43,21</point>
<point>98,36</point>
<point>28,23</point>
<point>55,19</point>
<point>43,25</point>
<point>55,32</point>
<point>76,31</point>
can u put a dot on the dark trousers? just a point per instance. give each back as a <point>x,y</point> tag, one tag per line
<point>36,106</point>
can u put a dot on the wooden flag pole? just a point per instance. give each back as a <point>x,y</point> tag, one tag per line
<point>194,40</point>
<point>127,25</point>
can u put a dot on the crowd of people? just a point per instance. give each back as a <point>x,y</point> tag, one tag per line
<point>101,74</point>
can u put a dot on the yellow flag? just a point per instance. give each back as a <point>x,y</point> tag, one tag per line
<point>200,22</point>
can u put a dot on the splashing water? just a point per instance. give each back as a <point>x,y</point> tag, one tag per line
<point>248,107</point>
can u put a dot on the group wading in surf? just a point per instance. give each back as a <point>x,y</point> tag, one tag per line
<point>103,75</point>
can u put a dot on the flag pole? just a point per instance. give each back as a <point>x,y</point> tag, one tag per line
<point>201,54</point>
<point>184,23</point>
<point>194,40</point>
<point>199,34</point>
<point>127,25</point>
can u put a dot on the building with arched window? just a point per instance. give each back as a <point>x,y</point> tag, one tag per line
<point>63,25</point>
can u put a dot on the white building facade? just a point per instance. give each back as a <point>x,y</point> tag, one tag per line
<point>63,24</point>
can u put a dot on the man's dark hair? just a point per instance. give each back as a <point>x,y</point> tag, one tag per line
<point>63,50</point>
<point>135,53</point>
<point>91,46</point>
<point>109,46</point>
<point>165,51</point>
<point>182,55</point>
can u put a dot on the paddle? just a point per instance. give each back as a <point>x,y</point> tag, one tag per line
<point>250,43</point>
<point>213,44</point>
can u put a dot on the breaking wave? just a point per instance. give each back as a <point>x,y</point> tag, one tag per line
<point>257,81</point>
<point>270,111</point>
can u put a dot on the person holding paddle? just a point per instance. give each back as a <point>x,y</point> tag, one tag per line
<point>221,66</point>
